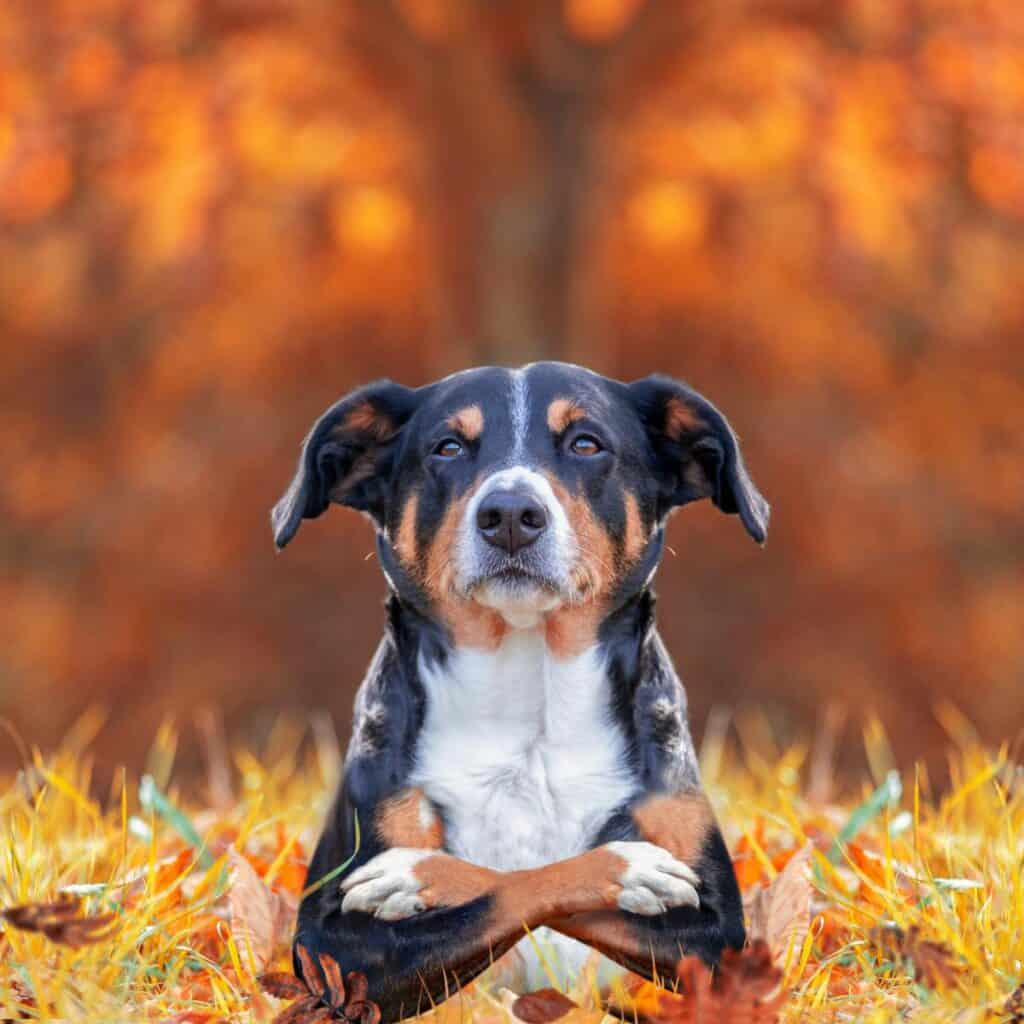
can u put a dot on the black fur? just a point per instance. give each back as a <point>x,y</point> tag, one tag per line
<point>375,468</point>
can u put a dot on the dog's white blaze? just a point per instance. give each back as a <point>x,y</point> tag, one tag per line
<point>520,752</point>
<point>519,413</point>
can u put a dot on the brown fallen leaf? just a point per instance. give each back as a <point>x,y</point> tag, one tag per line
<point>59,921</point>
<point>932,961</point>
<point>744,989</point>
<point>282,985</point>
<point>542,1006</point>
<point>321,993</point>
<point>779,913</point>
<point>260,919</point>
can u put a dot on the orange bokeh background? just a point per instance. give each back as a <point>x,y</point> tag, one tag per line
<point>217,216</point>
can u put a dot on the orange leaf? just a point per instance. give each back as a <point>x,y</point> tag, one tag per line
<point>780,913</point>
<point>259,920</point>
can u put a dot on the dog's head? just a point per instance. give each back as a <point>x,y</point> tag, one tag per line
<point>511,498</point>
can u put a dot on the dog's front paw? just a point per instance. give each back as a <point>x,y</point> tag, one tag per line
<point>654,881</point>
<point>386,886</point>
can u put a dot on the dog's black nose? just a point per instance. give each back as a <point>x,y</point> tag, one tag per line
<point>510,521</point>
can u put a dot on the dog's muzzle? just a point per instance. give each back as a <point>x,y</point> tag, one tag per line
<point>515,542</point>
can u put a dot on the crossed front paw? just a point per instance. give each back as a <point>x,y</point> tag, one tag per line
<point>653,881</point>
<point>387,885</point>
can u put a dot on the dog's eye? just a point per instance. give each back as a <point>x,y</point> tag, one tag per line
<point>448,448</point>
<point>585,445</point>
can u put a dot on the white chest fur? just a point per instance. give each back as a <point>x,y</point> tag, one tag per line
<point>520,752</point>
<point>522,755</point>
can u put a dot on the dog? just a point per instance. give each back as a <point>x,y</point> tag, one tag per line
<point>520,755</point>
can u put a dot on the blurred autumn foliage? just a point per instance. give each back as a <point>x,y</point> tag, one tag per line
<point>216,216</point>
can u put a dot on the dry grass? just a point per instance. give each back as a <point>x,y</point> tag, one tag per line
<point>893,854</point>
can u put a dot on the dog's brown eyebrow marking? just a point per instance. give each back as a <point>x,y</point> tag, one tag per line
<point>680,419</point>
<point>365,419</point>
<point>562,412</point>
<point>469,422</point>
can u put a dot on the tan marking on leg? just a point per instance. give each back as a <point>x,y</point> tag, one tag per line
<point>562,412</point>
<point>680,419</point>
<point>609,933</point>
<point>680,823</point>
<point>589,881</point>
<point>469,422</point>
<point>409,820</point>
<point>405,538</point>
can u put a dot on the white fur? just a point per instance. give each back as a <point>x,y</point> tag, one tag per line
<point>386,886</point>
<point>519,412</point>
<point>520,752</point>
<point>654,880</point>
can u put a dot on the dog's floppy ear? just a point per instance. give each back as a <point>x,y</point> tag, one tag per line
<point>696,452</point>
<point>346,457</point>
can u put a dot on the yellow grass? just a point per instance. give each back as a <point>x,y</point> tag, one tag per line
<point>952,864</point>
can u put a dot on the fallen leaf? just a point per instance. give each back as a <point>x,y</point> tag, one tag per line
<point>321,993</point>
<point>932,961</point>
<point>59,922</point>
<point>744,989</point>
<point>260,919</point>
<point>282,985</point>
<point>542,1006</point>
<point>780,912</point>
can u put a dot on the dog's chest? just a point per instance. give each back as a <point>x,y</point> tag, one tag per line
<point>520,753</point>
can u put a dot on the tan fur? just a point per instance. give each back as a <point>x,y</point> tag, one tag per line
<point>680,419</point>
<point>680,823</point>
<point>608,932</point>
<point>365,419</point>
<point>635,538</point>
<point>471,624</point>
<point>469,422</point>
<point>366,422</point>
<point>571,629</point>
<point>562,412</point>
<point>408,820</point>
<point>589,881</point>
<point>405,539</point>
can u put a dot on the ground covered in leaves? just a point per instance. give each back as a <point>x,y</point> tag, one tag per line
<point>889,902</point>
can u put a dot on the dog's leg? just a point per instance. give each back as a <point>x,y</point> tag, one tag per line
<point>421,923</point>
<point>684,825</point>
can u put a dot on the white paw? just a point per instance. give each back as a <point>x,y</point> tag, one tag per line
<point>386,886</point>
<point>654,881</point>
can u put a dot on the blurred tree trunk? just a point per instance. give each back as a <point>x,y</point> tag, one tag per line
<point>508,129</point>
<point>510,101</point>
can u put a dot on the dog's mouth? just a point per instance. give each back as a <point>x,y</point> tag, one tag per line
<point>511,587</point>
<point>515,578</point>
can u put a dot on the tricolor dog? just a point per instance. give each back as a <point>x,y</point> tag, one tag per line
<point>520,756</point>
